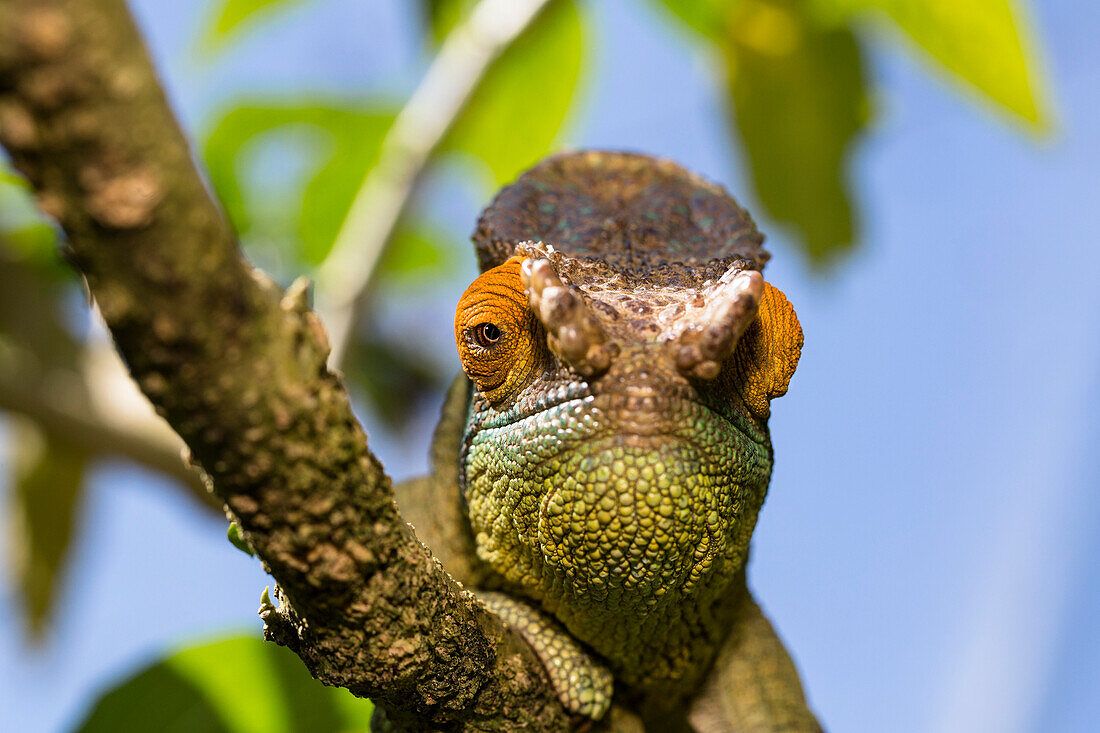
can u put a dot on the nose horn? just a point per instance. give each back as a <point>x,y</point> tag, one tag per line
<point>573,333</point>
<point>710,337</point>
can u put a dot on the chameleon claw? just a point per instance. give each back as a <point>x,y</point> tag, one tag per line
<point>582,683</point>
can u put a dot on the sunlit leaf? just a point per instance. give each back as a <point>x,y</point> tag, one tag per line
<point>240,685</point>
<point>24,230</point>
<point>514,116</point>
<point>708,17</point>
<point>231,16</point>
<point>988,43</point>
<point>10,177</point>
<point>233,534</point>
<point>48,474</point>
<point>158,700</point>
<point>417,251</point>
<point>351,134</point>
<point>37,245</point>
<point>799,100</point>
<point>443,15</point>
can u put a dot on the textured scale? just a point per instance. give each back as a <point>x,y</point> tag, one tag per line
<point>619,208</point>
<point>583,683</point>
<point>612,513</point>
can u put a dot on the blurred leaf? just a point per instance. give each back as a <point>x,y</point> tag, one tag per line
<point>32,319</point>
<point>416,251</point>
<point>708,17</point>
<point>48,475</point>
<point>37,246</point>
<point>988,43</point>
<point>799,100</point>
<point>443,15</point>
<point>980,40</point>
<point>353,134</point>
<point>392,379</point>
<point>232,15</point>
<point>157,700</point>
<point>516,112</point>
<point>24,231</point>
<point>9,177</point>
<point>240,685</point>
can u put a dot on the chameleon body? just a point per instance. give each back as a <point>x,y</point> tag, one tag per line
<point>600,467</point>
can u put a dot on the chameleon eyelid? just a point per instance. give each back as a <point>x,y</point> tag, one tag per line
<point>493,334</point>
<point>473,336</point>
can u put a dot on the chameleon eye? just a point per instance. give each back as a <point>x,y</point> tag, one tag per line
<point>496,333</point>
<point>486,334</point>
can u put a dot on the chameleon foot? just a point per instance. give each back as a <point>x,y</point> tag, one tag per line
<point>583,685</point>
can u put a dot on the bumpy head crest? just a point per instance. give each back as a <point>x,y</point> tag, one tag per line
<point>709,337</point>
<point>627,210</point>
<point>573,333</point>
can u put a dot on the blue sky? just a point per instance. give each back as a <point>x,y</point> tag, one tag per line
<point>928,545</point>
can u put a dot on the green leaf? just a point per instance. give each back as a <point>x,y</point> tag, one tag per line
<point>33,320</point>
<point>514,116</point>
<point>350,136</point>
<point>417,251</point>
<point>799,99</point>
<point>157,700</point>
<point>23,229</point>
<point>240,685</point>
<point>443,15</point>
<point>233,15</point>
<point>233,534</point>
<point>987,43</point>
<point>48,475</point>
<point>36,245</point>
<point>10,177</point>
<point>708,17</point>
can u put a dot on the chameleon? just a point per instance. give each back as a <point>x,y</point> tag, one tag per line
<point>600,463</point>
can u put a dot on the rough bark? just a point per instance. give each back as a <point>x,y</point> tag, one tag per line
<point>238,368</point>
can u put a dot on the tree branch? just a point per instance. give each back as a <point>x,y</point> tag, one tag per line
<point>462,61</point>
<point>239,371</point>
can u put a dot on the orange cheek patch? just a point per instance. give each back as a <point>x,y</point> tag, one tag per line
<point>768,352</point>
<point>496,333</point>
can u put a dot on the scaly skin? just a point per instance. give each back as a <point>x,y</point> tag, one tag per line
<point>624,509</point>
<point>613,453</point>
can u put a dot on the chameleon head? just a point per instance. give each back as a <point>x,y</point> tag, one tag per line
<point>617,451</point>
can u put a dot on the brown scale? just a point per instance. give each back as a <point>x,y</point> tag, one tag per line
<point>631,212</point>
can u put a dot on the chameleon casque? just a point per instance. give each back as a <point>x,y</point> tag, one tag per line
<point>599,466</point>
